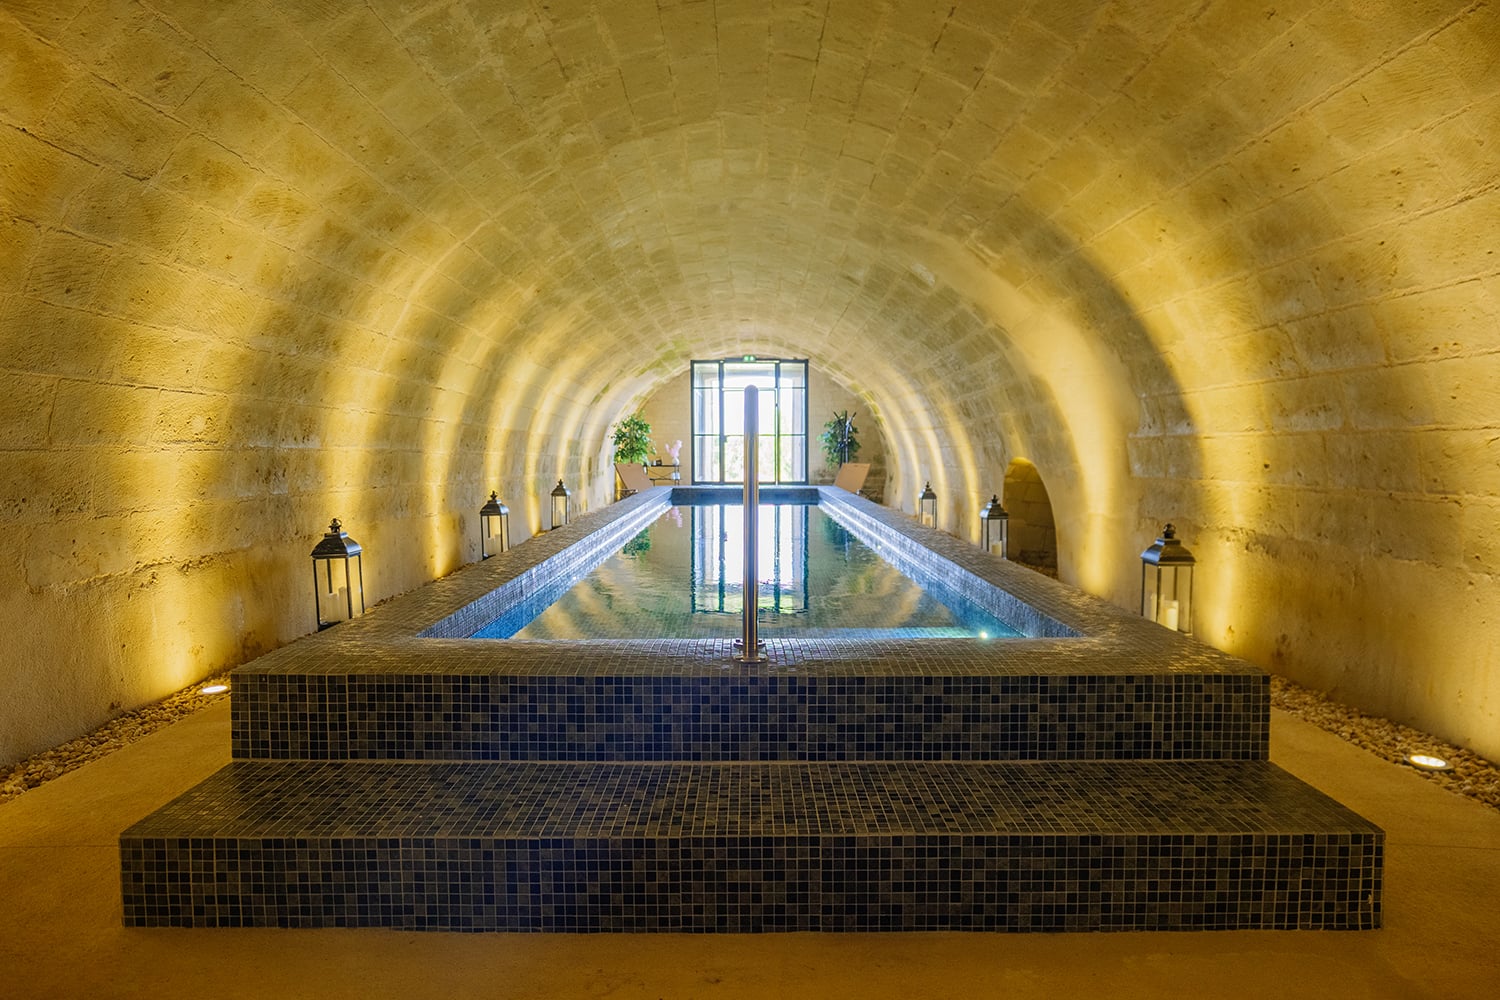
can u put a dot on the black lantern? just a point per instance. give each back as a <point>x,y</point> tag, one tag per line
<point>1167,582</point>
<point>995,528</point>
<point>927,506</point>
<point>334,583</point>
<point>559,505</point>
<point>494,527</point>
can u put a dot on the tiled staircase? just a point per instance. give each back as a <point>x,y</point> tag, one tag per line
<point>1112,776</point>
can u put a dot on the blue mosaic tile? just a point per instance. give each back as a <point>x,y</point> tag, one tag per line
<point>896,713</point>
<point>1102,773</point>
<point>704,847</point>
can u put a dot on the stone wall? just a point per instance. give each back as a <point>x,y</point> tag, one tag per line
<point>266,262</point>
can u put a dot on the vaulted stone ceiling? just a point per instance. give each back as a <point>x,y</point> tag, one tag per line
<point>1225,263</point>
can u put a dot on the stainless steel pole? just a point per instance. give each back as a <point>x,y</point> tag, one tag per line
<point>750,650</point>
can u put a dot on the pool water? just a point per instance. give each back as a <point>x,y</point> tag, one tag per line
<point>682,578</point>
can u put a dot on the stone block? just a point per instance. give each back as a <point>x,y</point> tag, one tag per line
<point>1469,52</point>
<point>18,242</point>
<point>1477,535</point>
<point>1419,529</point>
<point>1387,398</point>
<point>43,16</point>
<point>140,288</point>
<point>32,74</point>
<point>25,410</point>
<point>634,27</point>
<point>37,487</point>
<point>1378,461</point>
<point>1299,459</point>
<point>117,209</point>
<point>39,178</point>
<point>1460,462</point>
<point>98,121</point>
<point>1465,390</point>
<point>205,174</point>
<point>190,419</point>
<point>70,553</point>
<point>93,414</point>
<point>1435,323</point>
<point>1314,403</point>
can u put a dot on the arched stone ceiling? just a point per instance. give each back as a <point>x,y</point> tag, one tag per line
<point>1222,262</point>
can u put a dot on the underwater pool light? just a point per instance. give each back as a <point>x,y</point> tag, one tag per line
<point>1427,762</point>
<point>214,689</point>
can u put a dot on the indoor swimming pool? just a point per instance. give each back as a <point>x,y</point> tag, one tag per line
<point>681,577</point>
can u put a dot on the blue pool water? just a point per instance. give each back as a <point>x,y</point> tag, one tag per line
<point>682,578</point>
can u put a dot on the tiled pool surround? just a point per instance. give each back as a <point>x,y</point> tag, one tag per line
<point>724,847</point>
<point>403,683</point>
<point>1107,774</point>
<point>673,709</point>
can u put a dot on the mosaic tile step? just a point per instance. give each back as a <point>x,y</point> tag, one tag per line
<point>754,847</point>
<point>895,710</point>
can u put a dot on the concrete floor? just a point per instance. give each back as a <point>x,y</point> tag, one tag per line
<point>60,933</point>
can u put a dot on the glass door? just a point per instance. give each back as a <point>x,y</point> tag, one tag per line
<point>718,420</point>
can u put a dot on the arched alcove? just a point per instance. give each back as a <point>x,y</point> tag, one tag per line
<point>1033,531</point>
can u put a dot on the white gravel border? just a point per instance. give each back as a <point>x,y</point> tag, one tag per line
<point>1472,776</point>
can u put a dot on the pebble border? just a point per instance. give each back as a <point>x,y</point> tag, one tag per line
<point>115,734</point>
<point>1472,776</point>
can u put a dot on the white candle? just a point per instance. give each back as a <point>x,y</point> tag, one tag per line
<point>1169,614</point>
<point>336,604</point>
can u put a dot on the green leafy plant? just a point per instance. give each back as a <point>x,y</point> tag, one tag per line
<point>632,440</point>
<point>840,440</point>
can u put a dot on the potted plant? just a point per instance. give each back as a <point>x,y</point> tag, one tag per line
<point>632,440</point>
<point>839,439</point>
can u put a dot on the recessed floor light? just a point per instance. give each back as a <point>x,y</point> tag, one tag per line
<point>1427,762</point>
<point>214,689</point>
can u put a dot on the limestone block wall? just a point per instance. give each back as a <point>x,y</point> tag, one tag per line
<point>266,262</point>
<point>1319,444</point>
<point>223,323</point>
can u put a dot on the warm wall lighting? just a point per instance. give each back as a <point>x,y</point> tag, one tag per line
<point>334,581</point>
<point>1167,582</point>
<point>1427,762</point>
<point>559,505</point>
<point>927,506</point>
<point>494,527</point>
<point>995,528</point>
<point>214,689</point>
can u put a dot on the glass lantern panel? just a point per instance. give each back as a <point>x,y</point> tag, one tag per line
<point>995,533</point>
<point>1177,594</point>
<point>336,590</point>
<point>1166,596</point>
<point>494,533</point>
<point>1150,591</point>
